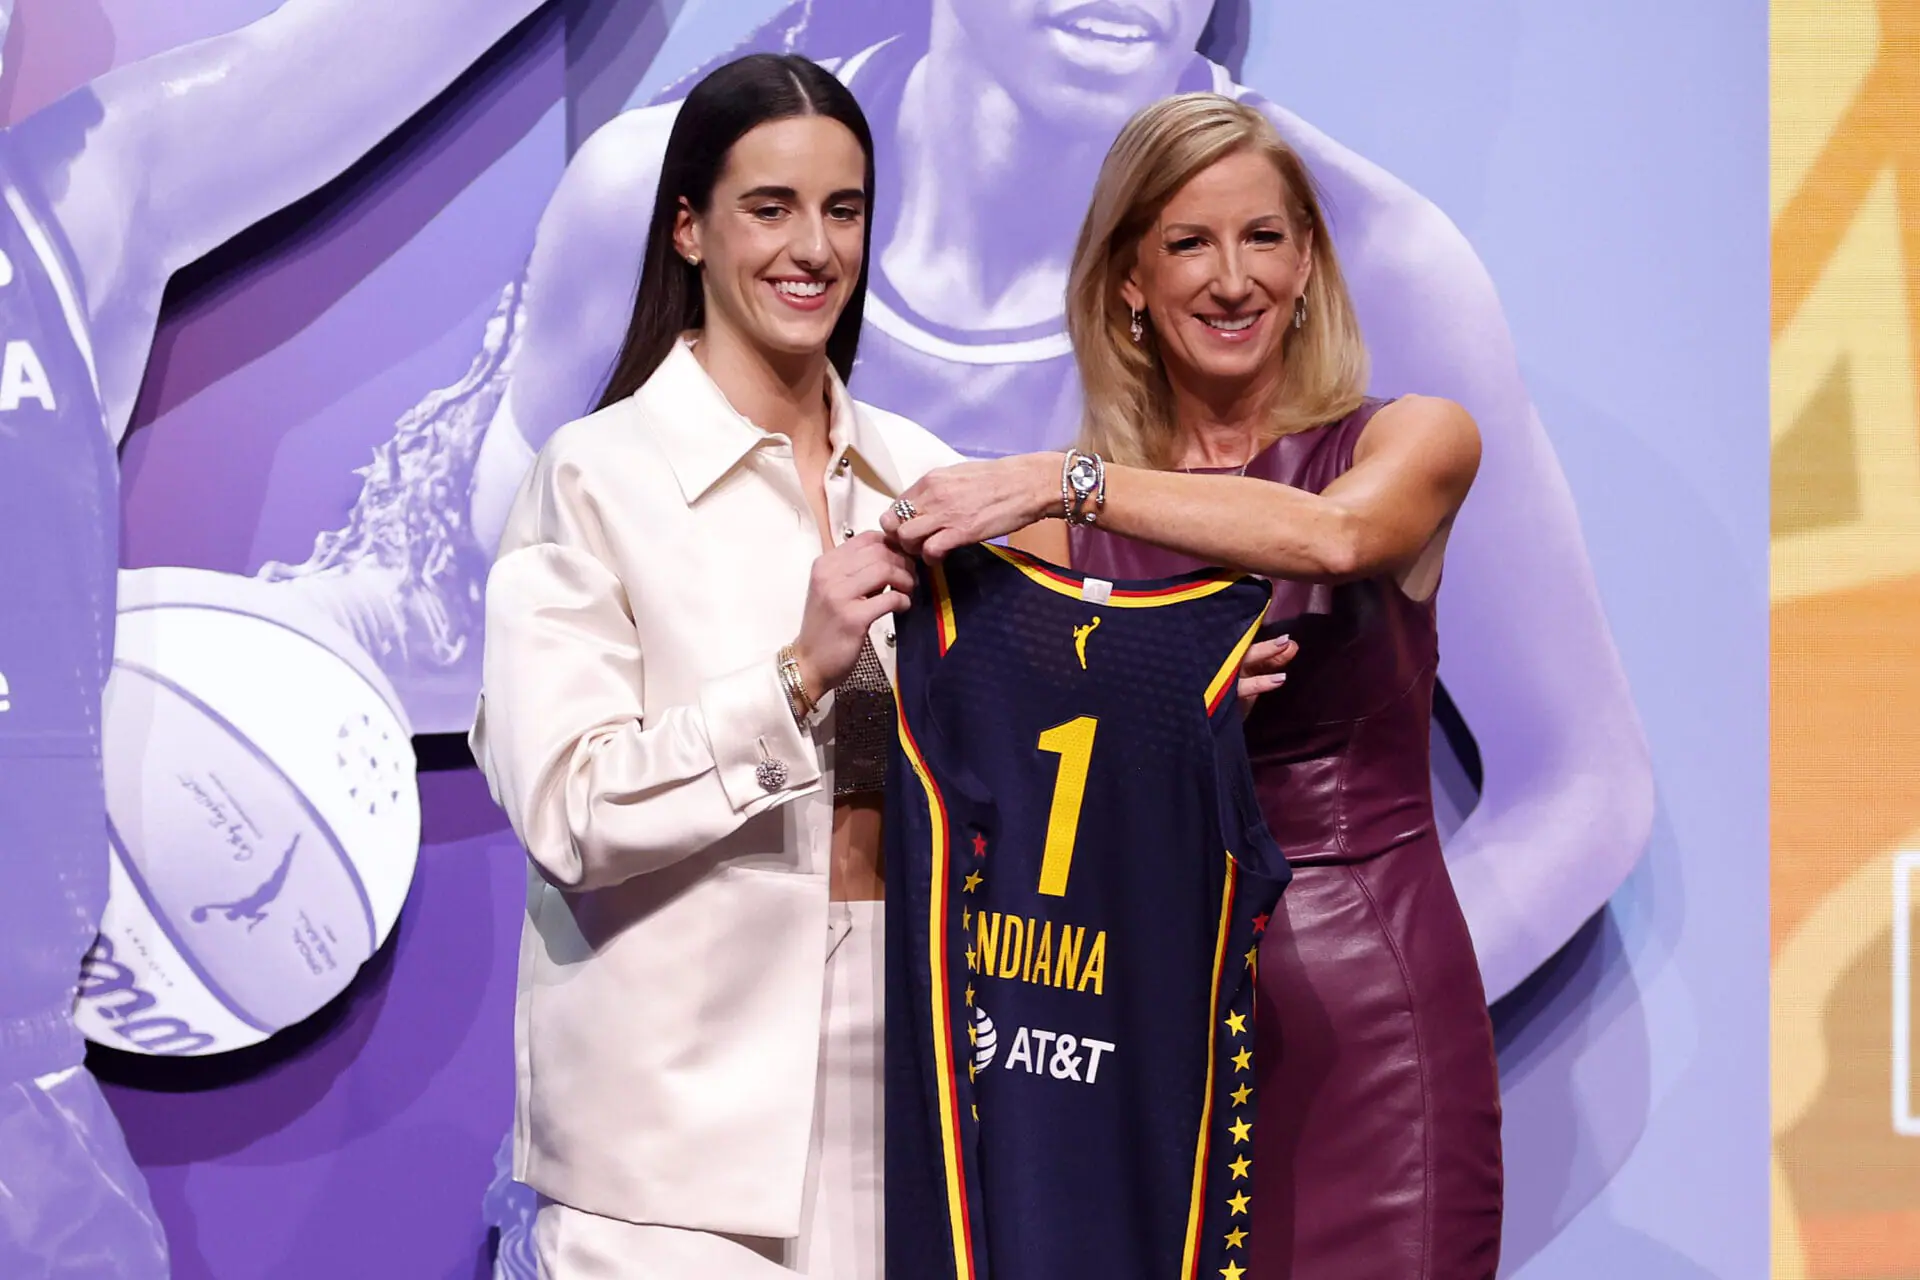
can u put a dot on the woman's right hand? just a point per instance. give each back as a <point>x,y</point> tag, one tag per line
<point>851,587</point>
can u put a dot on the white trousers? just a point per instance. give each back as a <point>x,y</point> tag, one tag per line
<point>840,1216</point>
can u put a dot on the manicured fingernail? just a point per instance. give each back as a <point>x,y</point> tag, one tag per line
<point>1279,679</point>
<point>1282,640</point>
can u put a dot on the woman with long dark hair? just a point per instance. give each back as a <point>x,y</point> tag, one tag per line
<point>687,693</point>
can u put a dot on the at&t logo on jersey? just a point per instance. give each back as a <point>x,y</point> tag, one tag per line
<point>1053,1054</point>
<point>984,1039</point>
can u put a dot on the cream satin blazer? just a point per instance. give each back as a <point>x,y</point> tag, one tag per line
<point>672,962</point>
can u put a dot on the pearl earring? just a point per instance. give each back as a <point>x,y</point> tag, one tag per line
<point>693,259</point>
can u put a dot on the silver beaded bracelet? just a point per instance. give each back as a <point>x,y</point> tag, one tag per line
<point>1083,478</point>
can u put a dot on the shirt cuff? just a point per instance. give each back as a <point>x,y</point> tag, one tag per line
<point>758,748</point>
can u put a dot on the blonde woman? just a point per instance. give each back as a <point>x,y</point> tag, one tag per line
<point>1226,423</point>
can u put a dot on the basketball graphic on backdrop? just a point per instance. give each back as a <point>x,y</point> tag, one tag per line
<point>264,819</point>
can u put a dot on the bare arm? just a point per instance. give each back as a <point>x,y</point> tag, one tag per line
<point>1567,802</point>
<point>158,162</point>
<point>1046,539</point>
<point>1412,467</point>
<point>208,139</point>
<point>581,280</point>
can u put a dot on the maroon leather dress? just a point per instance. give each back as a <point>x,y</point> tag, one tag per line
<point>1377,1148</point>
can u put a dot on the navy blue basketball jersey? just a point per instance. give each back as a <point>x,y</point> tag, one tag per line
<point>1077,878</point>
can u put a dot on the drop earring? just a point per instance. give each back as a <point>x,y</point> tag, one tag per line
<point>1299,312</point>
<point>1138,330</point>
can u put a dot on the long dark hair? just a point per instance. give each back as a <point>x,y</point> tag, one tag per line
<point>729,103</point>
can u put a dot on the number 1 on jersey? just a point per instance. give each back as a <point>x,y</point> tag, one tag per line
<point>1073,743</point>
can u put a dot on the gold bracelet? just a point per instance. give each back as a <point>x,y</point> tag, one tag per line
<point>798,700</point>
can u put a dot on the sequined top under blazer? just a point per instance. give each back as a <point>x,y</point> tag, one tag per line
<point>671,965</point>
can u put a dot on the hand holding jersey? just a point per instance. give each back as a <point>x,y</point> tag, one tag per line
<point>1262,671</point>
<point>973,502</point>
<point>852,586</point>
<point>976,501</point>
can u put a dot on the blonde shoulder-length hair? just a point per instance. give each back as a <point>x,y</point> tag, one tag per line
<point>1128,414</point>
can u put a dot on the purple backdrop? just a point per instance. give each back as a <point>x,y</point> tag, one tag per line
<point>339,396</point>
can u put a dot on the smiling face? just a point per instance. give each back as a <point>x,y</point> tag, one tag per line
<point>1218,274</point>
<point>782,238</point>
<point>1080,62</point>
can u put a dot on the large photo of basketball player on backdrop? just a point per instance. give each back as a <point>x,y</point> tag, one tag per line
<point>990,121</point>
<point>248,731</point>
<point>107,192</point>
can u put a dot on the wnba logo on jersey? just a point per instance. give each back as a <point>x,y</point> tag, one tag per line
<point>1080,635</point>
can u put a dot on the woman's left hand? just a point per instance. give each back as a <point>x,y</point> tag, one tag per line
<point>971,502</point>
<point>1260,670</point>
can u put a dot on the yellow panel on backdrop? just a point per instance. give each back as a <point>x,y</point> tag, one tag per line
<point>1845,201</point>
